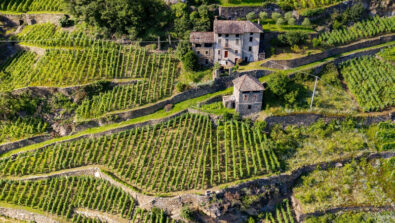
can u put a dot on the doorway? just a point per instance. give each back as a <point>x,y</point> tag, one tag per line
<point>226,54</point>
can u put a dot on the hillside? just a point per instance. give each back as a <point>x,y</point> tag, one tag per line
<point>110,112</point>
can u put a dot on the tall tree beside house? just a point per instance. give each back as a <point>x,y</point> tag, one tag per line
<point>135,18</point>
<point>186,19</point>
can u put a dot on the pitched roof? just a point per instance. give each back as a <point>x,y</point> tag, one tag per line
<point>247,83</point>
<point>201,37</point>
<point>236,27</point>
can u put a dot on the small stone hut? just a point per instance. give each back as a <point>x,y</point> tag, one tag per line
<point>247,95</point>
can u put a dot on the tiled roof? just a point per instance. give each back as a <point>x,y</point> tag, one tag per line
<point>247,83</point>
<point>236,27</point>
<point>201,37</point>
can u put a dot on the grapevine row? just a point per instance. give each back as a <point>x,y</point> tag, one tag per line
<point>360,30</point>
<point>187,152</point>
<point>371,81</point>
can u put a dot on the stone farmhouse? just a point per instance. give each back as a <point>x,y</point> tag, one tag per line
<point>247,95</point>
<point>229,43</point>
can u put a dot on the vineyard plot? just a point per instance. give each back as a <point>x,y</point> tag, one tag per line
<point>188,152</point>
<point>60,196</point>
<point>64,67</point>
<point>282,214</point>
<point>64,196</point>
<point>31,5</point>
<point>360,30</point>
<point>21,128</point>
<point>371,81</point>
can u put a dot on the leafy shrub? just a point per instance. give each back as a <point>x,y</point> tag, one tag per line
<point>291,21</point>
<point>306,22</point>
<point>311,12</point>
<point>276,16</point>
<point>263,15</point>
<point>280,21</point>
<point>190,61</point>
<point>293,38</point>
<point>251,16</point>
<point>65,21</point>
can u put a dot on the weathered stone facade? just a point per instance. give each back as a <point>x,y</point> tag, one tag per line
<point>229,43</point>
<point>247,96</point>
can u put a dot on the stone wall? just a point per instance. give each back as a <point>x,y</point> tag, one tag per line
<point>24,142</point>
<point>292,63</point>
<point>241,11</point>
<point>24,215</point>
<point>149,109</point>
<point>29,19</point>
<point>308,119</point>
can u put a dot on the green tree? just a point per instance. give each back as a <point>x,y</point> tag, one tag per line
<point>190,61</point>
<point>306,22</point>
<point>138,18</point>
<point>251,16</point>
<point>263,15</point>
<point>275,16</point>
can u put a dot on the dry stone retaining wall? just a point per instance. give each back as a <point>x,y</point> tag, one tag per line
<point>24,142</point>
<point>25,215</point>
<point>29,19</point>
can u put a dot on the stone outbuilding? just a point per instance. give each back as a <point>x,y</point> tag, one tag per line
<point>247,95</point>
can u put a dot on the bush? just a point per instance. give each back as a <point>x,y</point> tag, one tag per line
<point>293,38</point>
<point>181,87</point>
<point>306,22</point>
<point>251,16</point>
<point>280,22</point>
<point>276,16</point>
<point>65,21</point>
<point>316,42</point>
<point>288,15</point>
<point>190,61</point>
<point>187,214</point>
<point>291,21</point>
<point>263,15</point>
<point>311,12</point>
<point>183,48</point>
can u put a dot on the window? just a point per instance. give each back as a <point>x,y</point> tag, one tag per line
<point>236,51</point>
<point>250,39</point>
<point>219,52</point>
<point>249,107</point>
<point>226,54</point>
<point>206,52</point>
<point>208,45</point>
<point>237,41</point>
<point>227,43</point>
<point>198,45</point>
<point>219,42</point>
<point>206,61</point>
<point>255,97</point>
<point>245,97</point>
<point>219,35</point>
<point>237,35</point>
<point>250,48</point>
<point>227,35</point>
<point>251,34</point>
<point>198,52</point>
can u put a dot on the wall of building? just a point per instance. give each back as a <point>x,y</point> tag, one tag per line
<point>253,54</point>
<point>205,54</point>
